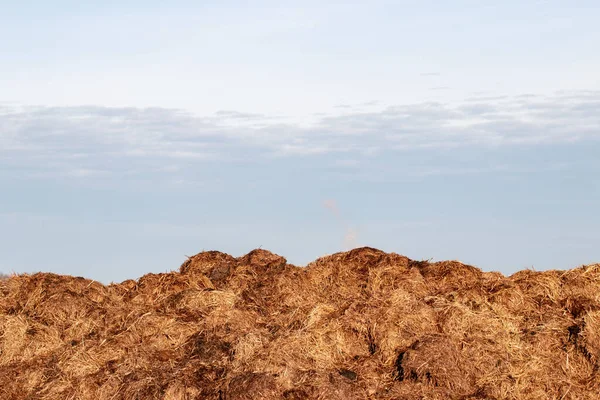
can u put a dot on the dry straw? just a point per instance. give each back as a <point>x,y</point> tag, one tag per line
<point>357,325</point>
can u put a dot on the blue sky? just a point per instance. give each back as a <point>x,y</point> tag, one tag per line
<point>135,133</point>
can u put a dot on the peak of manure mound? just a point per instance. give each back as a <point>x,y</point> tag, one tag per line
<point>362,324</point>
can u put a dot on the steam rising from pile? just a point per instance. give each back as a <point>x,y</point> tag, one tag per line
<point>350,234</point>
<point>357,325</point>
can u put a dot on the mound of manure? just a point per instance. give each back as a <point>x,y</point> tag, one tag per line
<point>362,324</point>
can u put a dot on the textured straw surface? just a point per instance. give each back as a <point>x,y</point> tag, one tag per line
<point>357,325</point>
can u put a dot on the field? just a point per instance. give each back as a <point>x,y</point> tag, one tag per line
<point>362,324</point>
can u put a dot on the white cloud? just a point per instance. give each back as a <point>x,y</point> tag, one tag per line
<point>90,141</point>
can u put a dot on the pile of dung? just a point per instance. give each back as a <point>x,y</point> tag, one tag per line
<point>357,325</point>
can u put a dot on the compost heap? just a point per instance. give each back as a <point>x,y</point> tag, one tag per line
<point>357,325</point>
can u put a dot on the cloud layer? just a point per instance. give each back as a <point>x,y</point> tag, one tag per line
<point>90,141</point>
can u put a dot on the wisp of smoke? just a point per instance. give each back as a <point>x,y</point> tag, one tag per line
<point>350,240</point>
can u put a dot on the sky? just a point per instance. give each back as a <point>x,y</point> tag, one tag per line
<point>134,134</point>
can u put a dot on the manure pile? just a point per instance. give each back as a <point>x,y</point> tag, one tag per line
<point>357,325</point>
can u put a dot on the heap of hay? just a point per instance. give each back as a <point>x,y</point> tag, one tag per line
<point>358,325</point>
